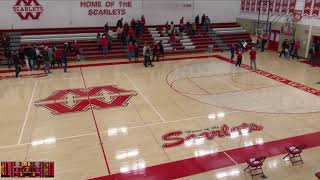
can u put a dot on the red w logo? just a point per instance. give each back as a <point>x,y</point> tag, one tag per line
<point>79,100</point>
<point>28,9</point>
<point>27,2</point>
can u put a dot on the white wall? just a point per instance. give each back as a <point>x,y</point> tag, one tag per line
<point>60,13</point>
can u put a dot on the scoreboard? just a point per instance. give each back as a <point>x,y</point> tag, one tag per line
<point>27,169</point>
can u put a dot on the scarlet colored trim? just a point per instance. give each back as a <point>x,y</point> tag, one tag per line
<point>96,125</point>
<point>197,165</point>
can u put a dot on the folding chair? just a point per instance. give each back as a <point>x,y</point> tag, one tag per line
<point>255,166</point>
<point>294,154</point>
<point>317,175</point>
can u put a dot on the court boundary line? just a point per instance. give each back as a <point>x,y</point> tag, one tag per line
<point>203,164</point>
<point>271,76</point>
<point>96,125</point>
<point>143,96</point>
<point>27,113</point>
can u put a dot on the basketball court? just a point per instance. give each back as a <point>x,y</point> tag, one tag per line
<point>124,121</point>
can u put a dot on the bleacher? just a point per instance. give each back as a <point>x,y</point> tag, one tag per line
<point>219,37</point>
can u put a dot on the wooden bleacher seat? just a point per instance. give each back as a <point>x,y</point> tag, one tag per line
<point>294,154</point>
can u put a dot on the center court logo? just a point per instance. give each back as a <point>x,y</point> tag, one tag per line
<point>28,9</point>
<point>81,100</point>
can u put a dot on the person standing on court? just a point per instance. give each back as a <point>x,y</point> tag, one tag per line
<point>173,41</point>
<point>104,44</point>
<point>136,51</point>
<point>16,61</point>
<point>239,57</point>
<point>155,52</point>
<point>161,49</point>
<point>64,59</point>
<point>253,57</point>
<point>146,54</point>
<point>284,46</point>
<point>296,47</point>
<point>263,43</point>
<point>232,51</point>
<point>130,51</point>
<point>46,60</point>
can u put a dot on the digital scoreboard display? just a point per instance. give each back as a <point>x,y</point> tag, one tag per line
<point>27,169</point>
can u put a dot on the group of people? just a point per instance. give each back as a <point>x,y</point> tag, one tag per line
<point>290,48</point>
<point>238,50</point>
<point>314,54</point>
<point>127,33</point>
<point>33,56</point>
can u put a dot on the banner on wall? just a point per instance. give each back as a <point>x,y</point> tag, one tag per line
<point>106,8</point>
<point>307,7</point>
<point>271,5</point>
<point>248,5</point>
<point>284,8</point>
<point>316,7</point>
<point>242,5</point>
<point>28,9</point>
<point>264,6</point>
<point>277,6</point>
<point>292,6</point>
<point>253,6</point>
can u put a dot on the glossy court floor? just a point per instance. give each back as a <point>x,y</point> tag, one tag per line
<point>131,112</point>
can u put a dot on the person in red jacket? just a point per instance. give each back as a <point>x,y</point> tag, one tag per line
<point>130,51</point>
<point>130,34</point>
<point>253,57</point>
<point>239,57</point>
<point>296,48</point>
<point>57,56</point>
<point>173,41</point>
<point>104,44</point>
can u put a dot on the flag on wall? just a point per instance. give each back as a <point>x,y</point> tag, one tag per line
<point>277,6</point>
<point>264,7</point>
<point>307,7</point>
<point>253,6</point>
<point>292,6</point>
<point>271,6</point>
<point>248,5</point>
<point>258,6</point>
<point>242,5</point>
<point>316,6</point>
<point>285,6</point>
